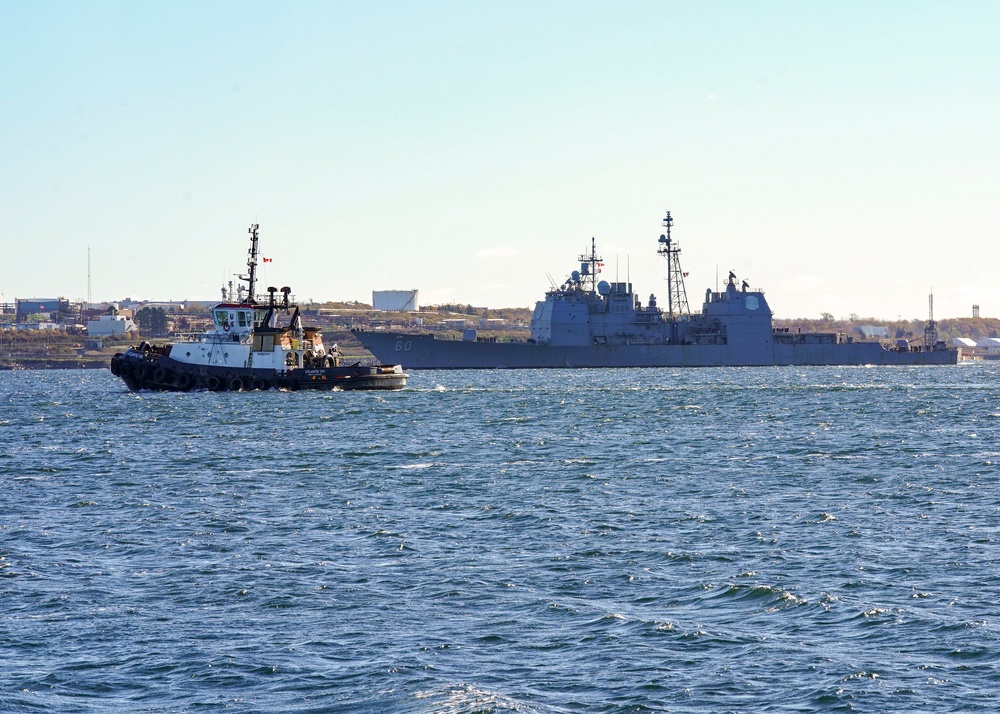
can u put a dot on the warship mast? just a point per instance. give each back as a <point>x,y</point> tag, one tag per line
<point>677,302</point>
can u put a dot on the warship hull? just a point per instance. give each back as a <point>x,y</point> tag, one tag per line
<point>424,351</point>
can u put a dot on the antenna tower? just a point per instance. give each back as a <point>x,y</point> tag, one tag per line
<point>89,298</point>
<point>677,302</point>
<point>930,332</point>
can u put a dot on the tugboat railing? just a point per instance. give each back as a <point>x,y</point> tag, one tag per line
<point>214,337</point>
<point>293,345</point>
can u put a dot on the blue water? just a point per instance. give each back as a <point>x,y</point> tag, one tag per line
<point>647,540</point>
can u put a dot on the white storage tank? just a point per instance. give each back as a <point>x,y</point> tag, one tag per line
<point>395,300</point>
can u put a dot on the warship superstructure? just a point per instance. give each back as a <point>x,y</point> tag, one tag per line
<point>588,322</point>
<point>256,342</point>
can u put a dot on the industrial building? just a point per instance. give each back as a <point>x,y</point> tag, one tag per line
<point>49,307</point>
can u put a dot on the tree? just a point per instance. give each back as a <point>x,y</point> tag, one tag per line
<point>152,321</point>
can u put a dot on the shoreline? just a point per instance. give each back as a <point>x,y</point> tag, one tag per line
<point>24,363</point>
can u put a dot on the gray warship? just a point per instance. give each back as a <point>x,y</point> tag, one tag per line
<point>587,322</point>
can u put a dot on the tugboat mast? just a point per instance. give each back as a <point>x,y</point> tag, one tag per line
<point>251,276</point>
<point>677,302</point>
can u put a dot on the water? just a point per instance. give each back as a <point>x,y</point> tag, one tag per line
<point>713,540</point>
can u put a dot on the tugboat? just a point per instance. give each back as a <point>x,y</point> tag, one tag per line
<point>258,342</point>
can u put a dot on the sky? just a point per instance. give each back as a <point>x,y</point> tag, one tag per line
<point>844,157</point>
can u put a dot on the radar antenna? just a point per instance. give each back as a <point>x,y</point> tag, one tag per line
<point>591,266</point>
<point>677,302</point>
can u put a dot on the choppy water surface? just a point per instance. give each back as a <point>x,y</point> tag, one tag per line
<point>712,540</point>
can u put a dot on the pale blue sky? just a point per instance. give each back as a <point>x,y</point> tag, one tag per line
<point>842,156</point>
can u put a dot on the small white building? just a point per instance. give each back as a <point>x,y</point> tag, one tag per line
<point>963,342</point>
<point>110,325</point>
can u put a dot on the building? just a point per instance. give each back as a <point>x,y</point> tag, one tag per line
<point>395,300</point>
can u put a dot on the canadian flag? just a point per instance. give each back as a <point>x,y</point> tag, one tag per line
<point>268,260</point>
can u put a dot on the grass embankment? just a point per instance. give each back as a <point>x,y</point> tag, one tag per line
<point>53,349</point>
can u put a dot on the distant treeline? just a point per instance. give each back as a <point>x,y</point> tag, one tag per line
<point>976,328</point>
